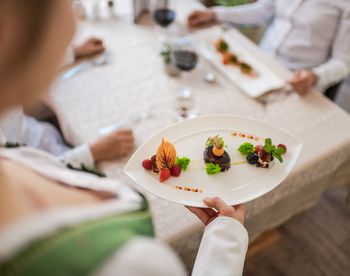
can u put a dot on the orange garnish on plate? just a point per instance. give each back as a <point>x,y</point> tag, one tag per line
<point>218,145</point>
<point>218,151</point>
<point>166,155</point>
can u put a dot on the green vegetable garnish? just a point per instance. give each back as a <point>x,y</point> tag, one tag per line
<point>165,53</point>
<point>183,162</point>
<point>277,153</point>
<point>273,150</point>
<point>269,147</point>
<point>246,148</point>
<point>213,168</point>
<point>222,45</point>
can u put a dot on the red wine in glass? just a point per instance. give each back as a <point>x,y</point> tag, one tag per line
<point>164,17</point>
<point>185,60</point>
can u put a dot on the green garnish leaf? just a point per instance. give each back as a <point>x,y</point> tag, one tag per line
<point>277,153</point>
<point>273,150</point>
<point>183,162</point>
<point>246,148</point>
<point>213,168</point>
<point>269,147</point>
<point>165,53</point>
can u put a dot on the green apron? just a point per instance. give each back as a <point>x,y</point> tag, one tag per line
<point>81,249</point>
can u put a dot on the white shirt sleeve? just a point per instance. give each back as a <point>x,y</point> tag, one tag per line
<point>78,156</point>
<point>46,137</point>
<point>223,249</point>
<point>338,66</point>
<point>19,128</point>
<point>257,13</point>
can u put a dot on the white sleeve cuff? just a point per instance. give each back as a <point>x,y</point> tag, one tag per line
<point>223,248</point>
<point>78,156</point>
<point>330,73</point>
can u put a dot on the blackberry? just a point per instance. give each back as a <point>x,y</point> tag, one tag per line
<point>252,158</point>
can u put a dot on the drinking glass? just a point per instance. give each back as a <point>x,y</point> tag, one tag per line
<point>186,59</point>
<point>164,15</point>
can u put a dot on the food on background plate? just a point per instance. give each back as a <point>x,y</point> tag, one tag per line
<point>215,157</point>
<point>262,156</point>
<point>166,162</point>
<point>229,58</point>
<point>245,68</point>
<point>221,45</point>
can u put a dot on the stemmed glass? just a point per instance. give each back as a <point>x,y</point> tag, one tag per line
<point>163,14</point>
<point>185,59</point>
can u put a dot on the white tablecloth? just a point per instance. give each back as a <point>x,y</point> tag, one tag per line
<point>134,79</point>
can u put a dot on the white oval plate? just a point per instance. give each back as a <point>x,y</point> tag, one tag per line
<point>241,183</point>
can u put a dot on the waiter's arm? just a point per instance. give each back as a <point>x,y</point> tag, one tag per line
<point>257,13</point>
<point>225,240</point>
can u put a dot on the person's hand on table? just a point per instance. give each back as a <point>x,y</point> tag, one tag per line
<point>302,81</point>
<point>117,144</point>
<point>216,208</point>
<point>90,47</point>
<point>199,18</point>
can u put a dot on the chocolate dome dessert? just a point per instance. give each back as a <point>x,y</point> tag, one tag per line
<point>215,153</point>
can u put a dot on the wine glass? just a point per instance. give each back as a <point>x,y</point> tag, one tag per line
<point>164,14</point>
<point>185,59</point>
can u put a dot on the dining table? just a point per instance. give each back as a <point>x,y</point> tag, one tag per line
<point>133,81</point>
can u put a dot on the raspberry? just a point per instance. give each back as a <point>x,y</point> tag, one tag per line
<point>264,156</point>
<point>175,170</point>
<point>164,175</point>
<point>282,146</point>
<point>258,148</point>
<point>147,164</point>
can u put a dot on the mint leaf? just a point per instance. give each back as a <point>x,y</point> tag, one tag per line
<point>269,147</point>
<point>277,153</point>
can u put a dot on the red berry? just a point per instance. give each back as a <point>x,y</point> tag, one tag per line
<point>175,170</point>
<point>282,146</point>
<point>258,148</point>
<point>164,175</point>
<point>147,164</point>
<point>264,156</point>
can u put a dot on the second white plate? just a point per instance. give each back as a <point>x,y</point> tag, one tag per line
<point>265,81</point>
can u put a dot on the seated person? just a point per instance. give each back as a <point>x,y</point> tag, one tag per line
<point>55,221</point>
<point>311,38</point>
<point>16,128</point>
